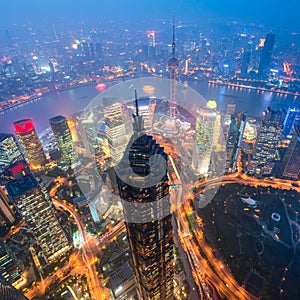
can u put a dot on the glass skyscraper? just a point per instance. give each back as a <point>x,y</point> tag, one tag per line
<point>9,151</point>
<point>62,133</point>
<point>30,142</point>
<point>8,292</point>
<point>33,204</point>
<point>147,214</point>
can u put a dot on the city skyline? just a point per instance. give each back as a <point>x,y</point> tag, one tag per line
<point>154,159</point>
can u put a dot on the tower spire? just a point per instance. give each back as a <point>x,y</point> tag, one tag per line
<point>173,43</point>
<point>136,104</point>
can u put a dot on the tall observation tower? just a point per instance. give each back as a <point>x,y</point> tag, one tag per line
<point>173,69</point>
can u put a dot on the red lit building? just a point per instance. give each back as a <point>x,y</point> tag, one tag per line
<point>30,142</point>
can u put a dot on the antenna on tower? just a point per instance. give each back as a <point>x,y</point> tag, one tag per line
<point>136,103</point>
<point>173,43</point>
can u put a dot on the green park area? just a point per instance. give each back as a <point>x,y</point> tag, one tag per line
<point>260,236</point>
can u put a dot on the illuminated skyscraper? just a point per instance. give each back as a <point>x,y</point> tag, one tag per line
<point>290,165</point>
<point>33,204</point>
<point>8,267</point>
<point>8,292</point>
<point>292,115</point>
<point>207,134</point>
<point>30,142</point>
<point>148,215</point>
<point>231,106</point>
<point>234,140</point>
<point>115,128</point>
<point>173,69</point>
<point>6,213</point>
<point>62,133</point>
<point>265,59</point>
<point>9,151</point>
<point>268,138</point>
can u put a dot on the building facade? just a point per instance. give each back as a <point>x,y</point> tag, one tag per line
<point>33,204</point>
<point>268,138</point>
<point>148,216</point>
<point>30,143</point>
<point>9,151</point>
<point>62,133</point>
<point>290,165</point>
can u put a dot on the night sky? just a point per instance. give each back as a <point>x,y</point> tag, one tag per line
<point>283,13</point>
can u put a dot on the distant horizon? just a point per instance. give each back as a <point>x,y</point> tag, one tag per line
<point>267,13</point>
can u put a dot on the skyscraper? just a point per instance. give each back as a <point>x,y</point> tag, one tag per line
<point>8,292</point>
<point>62,133</point>
<point>173,69</point>
<point>9,151</point>
<point>268,138</point>
<point>8,267</point>
<point>33,204</point>
<point>30,142</point>
<point>6,213</point>
<point>234,140</point>
<point>265,59</point>
<point>290,165</point>
<point>292,116</point>
<point>150,238</point>
<point>115,128</point>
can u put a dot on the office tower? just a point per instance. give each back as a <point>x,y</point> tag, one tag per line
<point>265,59</point>
<point>115,128</point>
<point>292,116</point>
<point>245,61</point>
<point>231,106</point>
<point>33,204</point>
<point>234,140</point>
<point>146,110</point>
<point>151,38</point>
<point>147,215</point>
<point>173,69</point>
<point>9,151</point>
<point>290,165</point>
<point>30,142</point>
<point>62,134</point>
<point>8,292</point>
<point>87,125</point>
<point>207,134</point>
<point>8,267</point>
<point>7,216</point>
<point>268,137</point>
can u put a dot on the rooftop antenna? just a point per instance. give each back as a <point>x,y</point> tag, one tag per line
<point>136,104</point>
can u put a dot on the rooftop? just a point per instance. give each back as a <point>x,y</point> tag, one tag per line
<point>21,185</point>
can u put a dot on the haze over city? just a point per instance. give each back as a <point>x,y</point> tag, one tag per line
<point>149,150</point>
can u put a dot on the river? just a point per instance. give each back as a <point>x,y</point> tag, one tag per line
<point>73,100</point>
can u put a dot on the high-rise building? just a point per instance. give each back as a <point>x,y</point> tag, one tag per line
<point>7,216</point>
<point>147,215</point>
<point>268,137</point>
<point>9,151</point>
<point>62,133</point>
<point>30,142</point>
<point>290,165</point>
<point>265,59</point>
<point>207,137</point>
<point>231,106</point>
<point>173,69</point>
<point>245,61</point>
<point>8,292</point>
<point>8,267</point>
<point>115,128</point>
<point>292,116</point>
<point>33,204</point>
<point>234,140</point>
